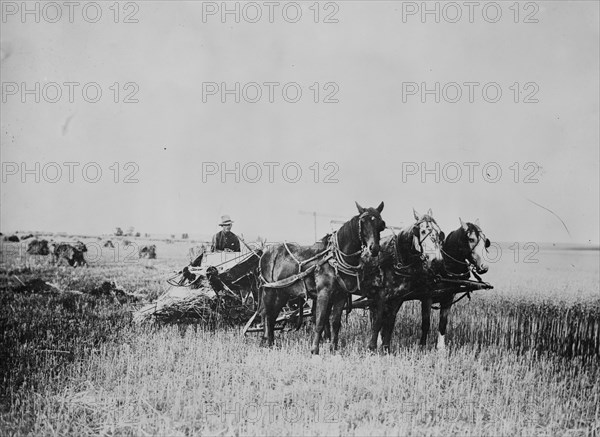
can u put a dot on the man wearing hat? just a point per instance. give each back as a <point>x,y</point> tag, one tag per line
<point>225,240</point>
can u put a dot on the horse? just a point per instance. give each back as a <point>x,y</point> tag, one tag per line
<point>324,272</point>
<point>462,251</point>
<point>409,262</point>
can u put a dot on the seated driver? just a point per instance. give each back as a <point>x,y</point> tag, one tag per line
<point>225,240</point>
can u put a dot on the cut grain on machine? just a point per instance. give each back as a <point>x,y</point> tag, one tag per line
<point>216,289</point>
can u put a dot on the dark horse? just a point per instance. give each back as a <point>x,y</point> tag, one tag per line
<point>324,272</point>
<point>409,262</point>
<point>462,251</point>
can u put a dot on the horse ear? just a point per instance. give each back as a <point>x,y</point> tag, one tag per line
<point>416,214</point>
<point>429,212</point>
<point>380,207</point>
<point>463,224</point>
<point>360,208</point>
<point>477,222</point>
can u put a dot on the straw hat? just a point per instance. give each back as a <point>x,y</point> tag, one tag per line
<point>225,220</point>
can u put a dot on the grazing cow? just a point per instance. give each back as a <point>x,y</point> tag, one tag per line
<point>71,253</point>
<point>148,252</point>
<point>38,247</point>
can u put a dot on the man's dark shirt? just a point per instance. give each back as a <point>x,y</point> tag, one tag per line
<point>223,241</point>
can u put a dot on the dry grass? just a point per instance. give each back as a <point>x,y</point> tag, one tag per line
<point>77,365</point>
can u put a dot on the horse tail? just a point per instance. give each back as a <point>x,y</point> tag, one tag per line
<point>259,294</point>
<point>300,318</point>
<point>263,266</point>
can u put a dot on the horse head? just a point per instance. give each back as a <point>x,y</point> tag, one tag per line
<point>427,238</point>
<point>472,243</point>
<point>370,225</point>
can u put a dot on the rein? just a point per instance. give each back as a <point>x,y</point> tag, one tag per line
<point>470,266</point>
<point>470,270</point>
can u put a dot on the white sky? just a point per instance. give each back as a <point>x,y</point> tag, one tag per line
<point>369,134</point>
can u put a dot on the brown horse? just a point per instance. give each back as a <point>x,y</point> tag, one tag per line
<point>409,261</point>
<point>462,251</point>
<point>324,272</point>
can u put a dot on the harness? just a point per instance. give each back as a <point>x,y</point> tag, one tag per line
<point>471,269</point>
<point>470,266</point>
<point>332,255</point>
<point>282,283</point>
<point>339,264</point>
<point>406,270</point>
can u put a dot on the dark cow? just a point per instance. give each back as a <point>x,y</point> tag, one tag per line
<point>148,252</point>
<point>12,239</point>
<point>38,247</point>
<point>71,253</point>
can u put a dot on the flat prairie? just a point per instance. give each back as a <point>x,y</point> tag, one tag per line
<point>521,359</point>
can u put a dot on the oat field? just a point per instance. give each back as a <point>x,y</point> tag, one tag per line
<point>521,359</point>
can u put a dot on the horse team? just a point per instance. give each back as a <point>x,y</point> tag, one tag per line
<point>353,260</point>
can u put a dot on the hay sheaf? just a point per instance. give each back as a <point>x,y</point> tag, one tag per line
<point>198,305</point>
<point>38,247</point>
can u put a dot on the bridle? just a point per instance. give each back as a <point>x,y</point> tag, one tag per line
<point>338,260</point>
<point>405,270</point>
<point>434,227</point>
<point>363,244</point>
<point>469,262</point>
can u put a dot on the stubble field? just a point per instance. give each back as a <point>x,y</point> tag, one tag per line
<point>522,359</point>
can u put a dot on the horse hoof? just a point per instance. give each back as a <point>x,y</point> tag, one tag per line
<point>441,343</point>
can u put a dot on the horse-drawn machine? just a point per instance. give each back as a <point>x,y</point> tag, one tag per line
<point>215,289</point>
<point>279,288</point>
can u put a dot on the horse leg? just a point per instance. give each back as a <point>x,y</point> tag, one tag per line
<point>273,301</point>
<point>388,324</point>
<point>268,299</point>
<point>376,311</point>
<point>425,320</point>
<point>313,314</point>
<point>337,309</point>
<point>444,313</point>
<point>321,318</point>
